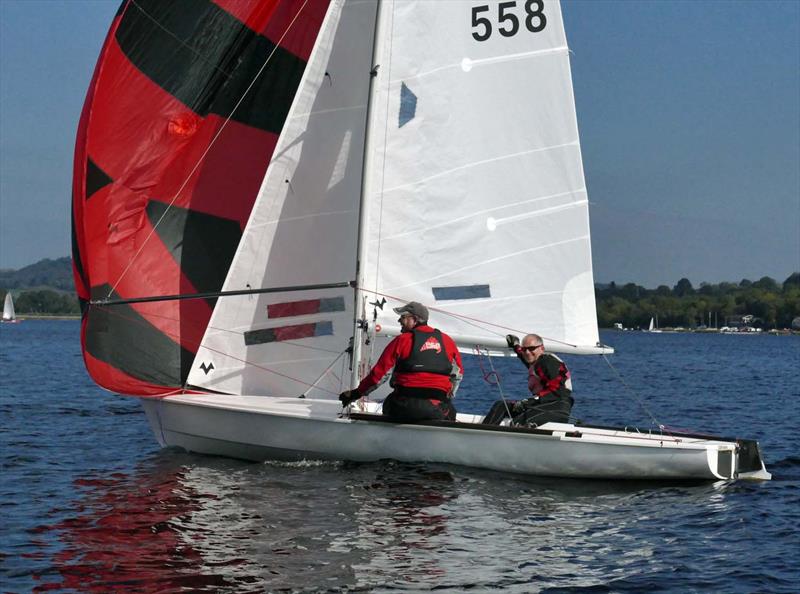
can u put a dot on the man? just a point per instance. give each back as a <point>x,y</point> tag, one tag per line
<point>427,370</point>
<point>549,383</point>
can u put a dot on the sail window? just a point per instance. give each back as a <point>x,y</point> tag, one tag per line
<point>308,306</point>
<point>462,292</point>
<point>282,333</point>
<point>408,105</point>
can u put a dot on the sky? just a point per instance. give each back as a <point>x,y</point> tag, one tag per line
<point>689,115</point>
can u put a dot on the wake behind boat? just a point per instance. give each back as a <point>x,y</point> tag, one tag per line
<point>256,186</point>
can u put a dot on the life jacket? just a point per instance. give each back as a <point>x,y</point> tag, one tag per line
<point>428,355</point>
<point>536,383</point>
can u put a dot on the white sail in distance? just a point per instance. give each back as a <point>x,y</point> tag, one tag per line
<point>8,308</point>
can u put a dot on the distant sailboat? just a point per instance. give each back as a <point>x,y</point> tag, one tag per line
<point>9,317</point>
<point>653,326</point>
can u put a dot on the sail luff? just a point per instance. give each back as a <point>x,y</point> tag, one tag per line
<point>359,309</point>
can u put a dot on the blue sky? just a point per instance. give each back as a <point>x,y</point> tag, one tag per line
<point>689,115</point>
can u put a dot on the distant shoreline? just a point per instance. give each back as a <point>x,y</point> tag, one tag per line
<point>775,332</point>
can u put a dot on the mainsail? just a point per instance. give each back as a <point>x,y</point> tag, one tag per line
<point>181,119</point>
<point>477,201</point>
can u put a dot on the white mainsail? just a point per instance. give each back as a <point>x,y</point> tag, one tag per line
<point>303,231</point>
<point>477,201</point>
<point>8,309</point>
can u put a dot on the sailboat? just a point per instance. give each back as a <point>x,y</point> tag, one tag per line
<point>9,317</point>
<point>257,185</point>
<point>653,327</point>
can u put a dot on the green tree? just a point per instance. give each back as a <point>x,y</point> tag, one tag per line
<point>683,288</point>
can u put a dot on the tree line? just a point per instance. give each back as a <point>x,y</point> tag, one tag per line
<point>773,304</point>
<point>43,302</point>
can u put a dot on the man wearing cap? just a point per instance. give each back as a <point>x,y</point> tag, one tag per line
<point>427,369</point>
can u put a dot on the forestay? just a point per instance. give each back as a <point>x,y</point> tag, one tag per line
<point>477,204</point>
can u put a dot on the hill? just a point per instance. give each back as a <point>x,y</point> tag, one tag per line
<point>53,274</point>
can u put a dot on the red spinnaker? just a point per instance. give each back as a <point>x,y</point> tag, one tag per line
<point>159,206</point>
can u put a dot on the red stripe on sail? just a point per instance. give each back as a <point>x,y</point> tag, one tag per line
<point>227,182</point>
<point>295,332</point>
<point>151,142</point>
<point>79,174</point>
<point>293,308</point>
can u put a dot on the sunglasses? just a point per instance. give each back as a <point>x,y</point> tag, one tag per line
<point>530,349</point>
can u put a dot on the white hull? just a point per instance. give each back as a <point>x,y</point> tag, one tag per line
<point>258,428</point>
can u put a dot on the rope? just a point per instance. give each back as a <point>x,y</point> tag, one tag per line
<point>492,374</point>
<point>469,320</point>
<point>208,149</point>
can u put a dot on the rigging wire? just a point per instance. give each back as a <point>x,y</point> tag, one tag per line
<point>636,396</point>
<point>468,320</point>
<point>205,152</point>
<point>325,372</point>
<point>492,374</point>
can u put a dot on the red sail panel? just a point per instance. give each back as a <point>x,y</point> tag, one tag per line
<point>170,154</point>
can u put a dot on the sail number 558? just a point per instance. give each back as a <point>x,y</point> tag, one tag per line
<point>507,22</point>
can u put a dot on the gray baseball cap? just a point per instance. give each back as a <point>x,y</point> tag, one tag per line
<point>415,309</point>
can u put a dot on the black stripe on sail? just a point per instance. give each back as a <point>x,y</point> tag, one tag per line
<point>206,58</point>
<point>461,292</point>
<point>202,245</point>
<point>76,252</point>
<point>122,338</point>
<point>96,178</point>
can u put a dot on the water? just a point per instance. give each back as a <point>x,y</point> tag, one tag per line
<point>90,504</point>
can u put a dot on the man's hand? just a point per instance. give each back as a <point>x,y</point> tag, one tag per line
<point>512,341</point>
<point>349,396</point>
<point>518,407</point>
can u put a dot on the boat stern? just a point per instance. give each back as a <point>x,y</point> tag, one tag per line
<point>750,464</point>
<point>740,459</point>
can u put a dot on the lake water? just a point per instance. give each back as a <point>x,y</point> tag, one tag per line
<point>91,504</point>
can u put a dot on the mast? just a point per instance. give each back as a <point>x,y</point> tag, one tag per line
<point>363,211</point>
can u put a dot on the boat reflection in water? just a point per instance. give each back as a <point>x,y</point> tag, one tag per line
<point>207,524</point>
